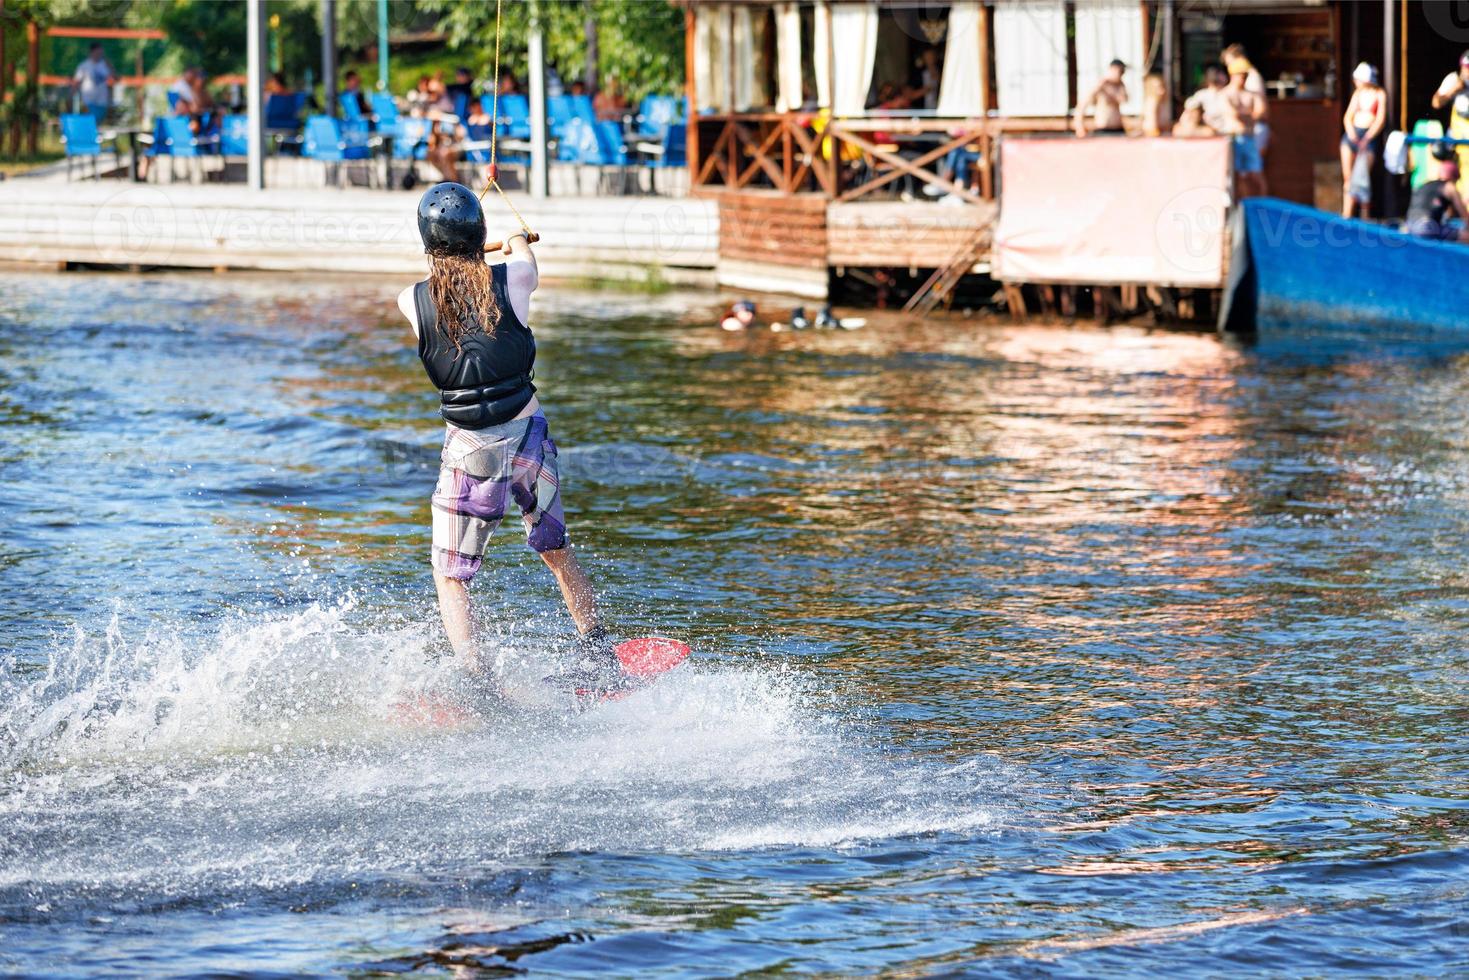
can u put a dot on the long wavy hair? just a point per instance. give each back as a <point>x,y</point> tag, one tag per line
<point>462,288</point>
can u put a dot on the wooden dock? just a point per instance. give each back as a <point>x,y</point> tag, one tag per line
<point>793,243</point>
<point>45,221</point>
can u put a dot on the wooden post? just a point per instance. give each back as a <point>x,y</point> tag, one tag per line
<point>33,81</point>
<point>1403,69</point>
<point>691,90</point>
<point>4,65</point>
<point>984,61</point>
<point>1170,75</point>
<point>138,62</point>
<point>1389,82</point>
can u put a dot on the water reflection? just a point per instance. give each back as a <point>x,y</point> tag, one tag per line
<point>1110,643</point>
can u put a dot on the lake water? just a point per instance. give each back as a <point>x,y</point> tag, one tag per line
<point>1019,648</point>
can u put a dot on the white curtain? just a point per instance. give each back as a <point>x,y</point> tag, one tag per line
<point>1107,29</point>
<point>711,51</point>
<point>959,91</point>
<point>1030,59</point>
<point>788,57</point>
<point>749,54</point>
<point>854,42</point>
<point>821,53</point>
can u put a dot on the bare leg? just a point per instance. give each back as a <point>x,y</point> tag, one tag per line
<point>576,588</point>
<point>1348,157</point>
<point>454,607</point>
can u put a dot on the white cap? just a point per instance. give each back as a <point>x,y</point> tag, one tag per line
<point>1365,74</point>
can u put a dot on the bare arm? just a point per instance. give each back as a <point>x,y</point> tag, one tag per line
<point>1456,201</point>
<point>1083,106</point>
<point>1447,89</point>
<point>522,275</point>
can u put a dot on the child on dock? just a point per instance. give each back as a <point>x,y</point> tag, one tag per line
<point>470,318</point>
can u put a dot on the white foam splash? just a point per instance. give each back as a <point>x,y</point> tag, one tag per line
<point>266,755</point>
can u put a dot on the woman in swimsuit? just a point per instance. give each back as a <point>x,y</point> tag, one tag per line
<point>1364,120</point>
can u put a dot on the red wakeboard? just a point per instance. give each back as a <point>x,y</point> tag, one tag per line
<point>642,659</point>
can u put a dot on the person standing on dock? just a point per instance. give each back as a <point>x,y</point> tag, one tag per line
<point>1362,123</point>
<point>93,82</point>
<point>1254,82</point>
<point>1454,92</point>
<point>1108,96</point>
<point>470,319</point>
<point>1240,108</point>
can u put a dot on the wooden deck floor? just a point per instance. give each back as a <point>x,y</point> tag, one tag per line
<point>111,222</point>
<point>774,242</point>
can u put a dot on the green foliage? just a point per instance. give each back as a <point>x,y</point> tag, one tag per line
<point>639,41</point>
<point>211,35</point>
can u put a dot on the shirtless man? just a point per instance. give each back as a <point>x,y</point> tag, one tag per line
<point>1454,91</point>
<point>1240,108</point>
<point>1108,96</point>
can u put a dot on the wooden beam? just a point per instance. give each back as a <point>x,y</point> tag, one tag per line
<point>898,162</point>
<point>985,93</point>
<point>691,89</point>
<point>758,156</point>
<point>917,162</point>
<point>33,69</point>
<point>125,33</point>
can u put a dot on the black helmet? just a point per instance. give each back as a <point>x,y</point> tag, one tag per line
<point>1443,150</point>
<point>450,221</point>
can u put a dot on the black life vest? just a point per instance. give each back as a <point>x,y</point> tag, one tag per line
<point>487,379</point>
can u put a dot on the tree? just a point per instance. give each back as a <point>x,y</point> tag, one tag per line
<point>639,41</point>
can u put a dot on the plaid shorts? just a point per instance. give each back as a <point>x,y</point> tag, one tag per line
<point>482,471</point>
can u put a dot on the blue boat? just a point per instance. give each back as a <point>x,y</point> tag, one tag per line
<point>1299,274</point>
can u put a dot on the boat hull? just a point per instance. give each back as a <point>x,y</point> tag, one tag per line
<point>1299,274</point>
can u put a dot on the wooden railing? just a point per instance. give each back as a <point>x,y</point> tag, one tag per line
<point>847,159</point>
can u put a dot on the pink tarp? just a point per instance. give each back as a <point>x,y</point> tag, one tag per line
<point>1108,210</point>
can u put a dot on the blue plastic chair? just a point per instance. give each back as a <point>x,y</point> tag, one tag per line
<point>325,141</point>
<point>675,153</point>
<point>655,114</point>
<point>173,139</point>
<point>514,118</point>
<point>477,143</point>
<point>676,146</point>
<point>410,139</point>
<point>385,108</point>
<point>581,105</point>
<point>558,114</point>
<point>79,134</point>
<point>283,111</point>
<point>350,107</point>
<point>611,151</point>
<point>578,142</point>
<point>461,105</point>
<point>234,136</point>
<point>179,139</point>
